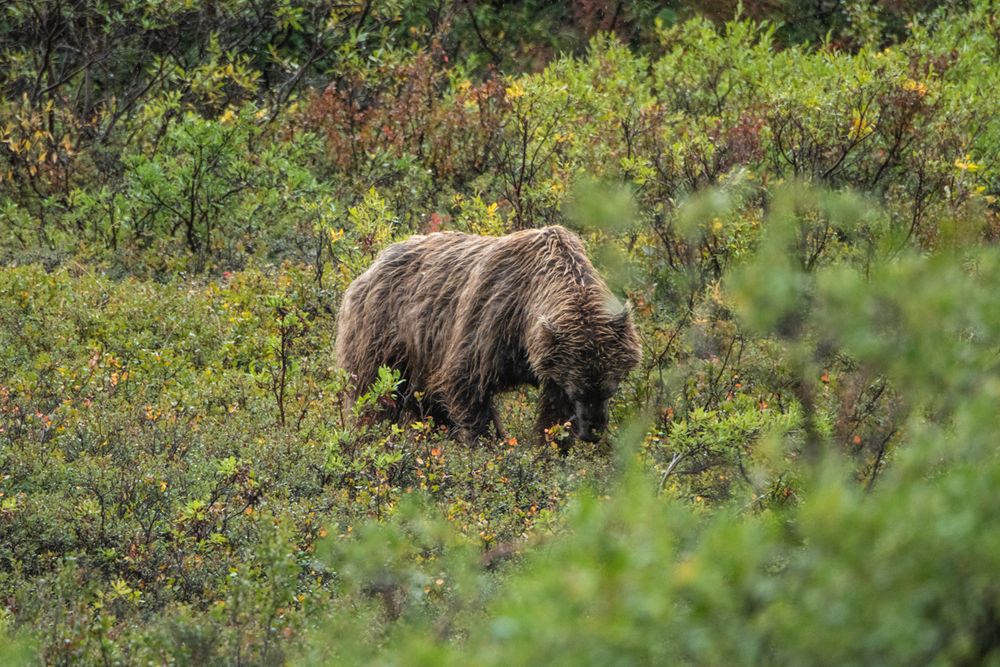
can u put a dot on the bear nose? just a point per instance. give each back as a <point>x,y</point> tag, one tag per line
<point>587,434</point>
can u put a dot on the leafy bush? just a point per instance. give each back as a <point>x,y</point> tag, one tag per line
<point>803,222</point>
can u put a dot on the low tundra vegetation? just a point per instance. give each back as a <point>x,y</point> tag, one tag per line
<point>801,471</point>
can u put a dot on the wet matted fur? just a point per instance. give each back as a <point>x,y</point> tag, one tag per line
<point>465,317</point>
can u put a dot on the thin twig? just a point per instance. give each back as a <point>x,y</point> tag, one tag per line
<point>670,468</point>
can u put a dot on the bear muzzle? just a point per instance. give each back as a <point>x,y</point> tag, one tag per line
<point>590,421</point>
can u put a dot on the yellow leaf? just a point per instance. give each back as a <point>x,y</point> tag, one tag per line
<point>966,164</point>
<point>515,90</point>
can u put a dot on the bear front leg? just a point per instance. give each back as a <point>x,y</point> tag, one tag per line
<point>554,407</point>
<point>474,414</point>
<point>497,424</point>
<point>480,427</point>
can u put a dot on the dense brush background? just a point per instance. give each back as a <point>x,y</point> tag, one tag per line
<point>798,198</point>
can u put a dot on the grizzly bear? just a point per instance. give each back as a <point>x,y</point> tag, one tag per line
<point>466,317</point>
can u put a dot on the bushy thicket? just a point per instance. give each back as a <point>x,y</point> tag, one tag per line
<point>801,208</point>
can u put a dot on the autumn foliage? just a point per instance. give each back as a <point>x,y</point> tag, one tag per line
<point>799,206</point>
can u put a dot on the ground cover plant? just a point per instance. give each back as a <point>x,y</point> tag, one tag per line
<point>799,204</point>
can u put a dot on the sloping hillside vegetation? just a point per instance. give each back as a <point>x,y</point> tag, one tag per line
<point>800,205</point>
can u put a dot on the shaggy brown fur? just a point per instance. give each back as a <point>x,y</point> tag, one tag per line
<point>465,317</point>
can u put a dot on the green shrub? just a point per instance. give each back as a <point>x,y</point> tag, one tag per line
<point>803,224</point>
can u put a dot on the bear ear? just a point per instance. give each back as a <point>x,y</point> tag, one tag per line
<point>542,346</point>
<point>548,331</point>
<point>620,312</point>
<point>621,318</point>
